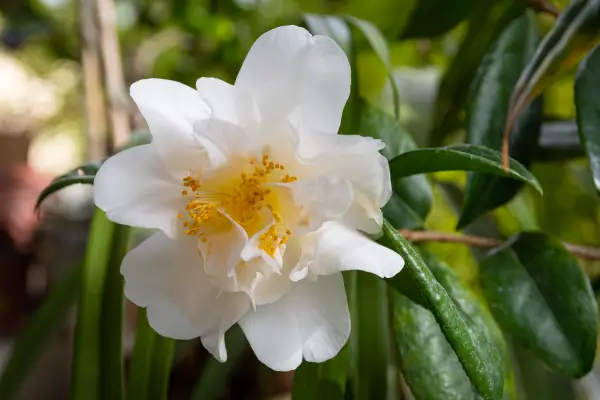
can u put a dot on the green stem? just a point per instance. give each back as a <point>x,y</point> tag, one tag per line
<point>85,373</point>
<point>162,359</point>
<point>141,359</point>
<point>111,320</point>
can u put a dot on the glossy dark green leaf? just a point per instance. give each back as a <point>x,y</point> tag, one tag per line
<point>482,322</point>
<point>538,293</point>
<point>476,354</point>
<point>587,100</point>
<point>487,112</point>
<point>435,17</point>
<point>428,363</point>
<point>485,25</point>
<point>111,320</point>
<point>86,369</point>
<point>412,198</point>
<point>84,174</point>
<point>458,158</point>
<point>575,33</point>
<point>30,343</point>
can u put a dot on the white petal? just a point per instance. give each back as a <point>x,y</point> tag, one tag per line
<point>356,159</point>
<point>134,188</point>
<point>294,74</point>
<point>341,249</point>
<point>228,139</point>
<point>311,321</point>
<point>167,277</point>
<point>221,254</point>
<point>228,102</point>
<point>171,109</point>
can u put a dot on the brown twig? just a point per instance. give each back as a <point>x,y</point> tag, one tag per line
<point>583,252</point>
<point>95,112</point>
<point>118,110</point>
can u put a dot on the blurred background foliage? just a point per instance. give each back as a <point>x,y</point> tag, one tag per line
<point>435,49</point>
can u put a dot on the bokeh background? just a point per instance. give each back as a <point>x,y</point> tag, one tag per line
<point>50,51</point>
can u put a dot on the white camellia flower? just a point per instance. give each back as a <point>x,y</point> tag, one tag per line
<point>258,201</point>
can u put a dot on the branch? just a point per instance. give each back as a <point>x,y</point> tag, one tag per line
<point>582,252</point>
<point>95,117</point>
<point>116,92</point>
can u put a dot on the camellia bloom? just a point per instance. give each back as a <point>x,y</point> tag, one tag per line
<point>258,200</point>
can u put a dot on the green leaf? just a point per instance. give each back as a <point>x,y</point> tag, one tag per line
<point>459,158</point>
<point>485,24</point>
<point>575,33</point>
<point>111,320</point>
<point>84,174</point>
<point>587,100</point>
<point>476,354</point>
<point>141,358</point>
<point>85,372</point>
<point>390,16</point>
<point>160,370</point>
<point>482,323</point>
<point>380,47</point>
<point>487,117</point>
<point>435,17</point>
<point>371,324</point>
<point>215,374</point>
<point>538,293</point>
<point>429,365</point>
<point>30,343</point>
<point>412,198</point>
<point>326,380</point>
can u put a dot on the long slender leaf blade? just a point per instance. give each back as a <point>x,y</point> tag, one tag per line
<point>587,100</point>
<point>111,320</point>
<point>85,374</point>
<point>160,370</point>
<point>575,33</point>
<point>141,358</point>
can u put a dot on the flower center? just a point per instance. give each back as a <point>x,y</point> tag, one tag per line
<point>246,199</point>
